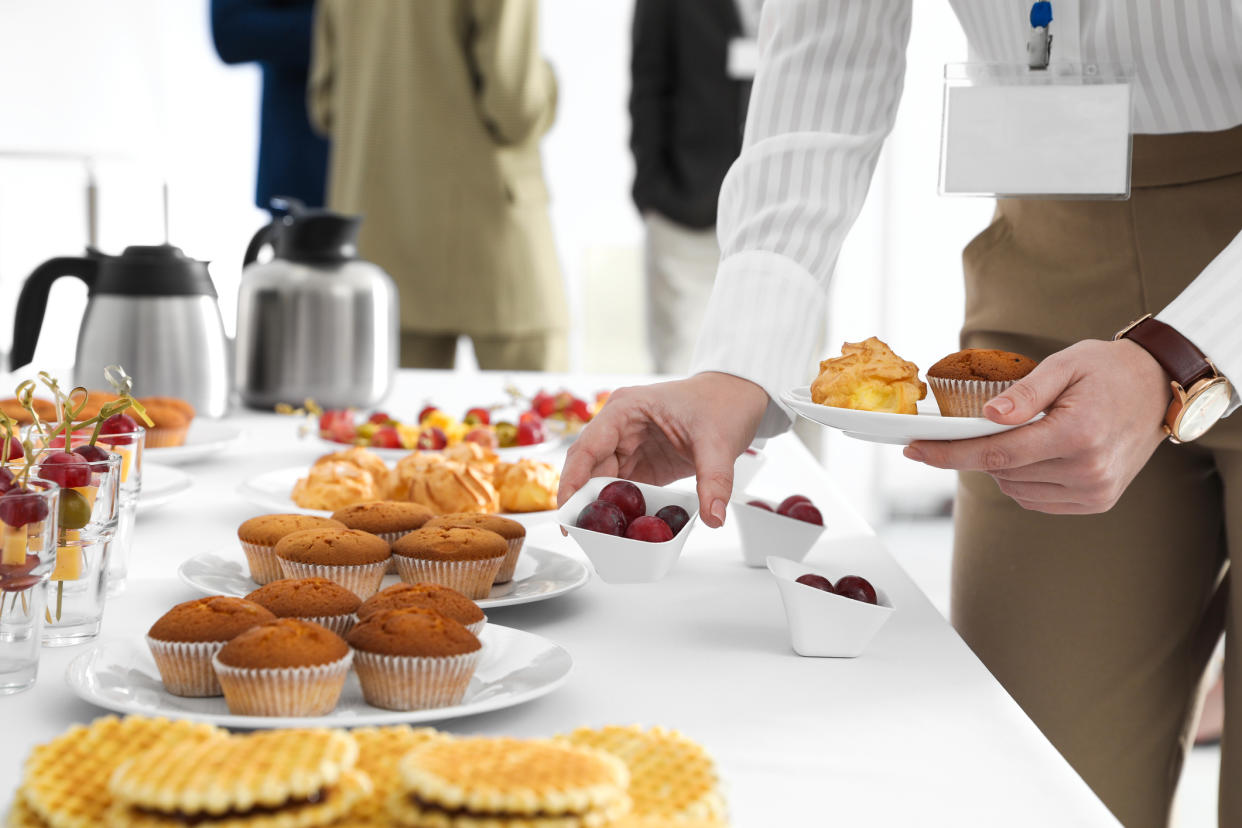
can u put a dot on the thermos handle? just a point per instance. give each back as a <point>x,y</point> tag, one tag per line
<point>261,239</point>
<point>32,302</point>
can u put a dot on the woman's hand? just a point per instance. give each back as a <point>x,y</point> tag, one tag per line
<point>663,432</point>
<point>1105,404</point>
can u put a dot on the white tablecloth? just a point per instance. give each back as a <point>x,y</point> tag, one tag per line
<point>913,732</point>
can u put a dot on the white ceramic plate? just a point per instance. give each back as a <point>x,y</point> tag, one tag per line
<point>161,484</point>
<point>508,455</point>
<point>204,439</point>
<point>541,574</point>
<point>898,429</point>
<point>516,667</point>
<point>272,490</point>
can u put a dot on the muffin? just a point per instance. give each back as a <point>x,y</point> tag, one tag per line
<point>12,408</point>
<point>312,599</point>
<point>169,425</point>
<point>259,536</point>
<point>388,519</point>
<point>513,532</point>
<point>963,382</point>
<point>181,405</point>
<point>184,640</point>
<point>413,658</point>
<point>448,602</point>
<point>355,560</point>
<point>286,667</point>
<point>466,560</point>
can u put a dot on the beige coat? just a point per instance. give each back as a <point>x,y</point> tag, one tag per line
<point>435,109</point>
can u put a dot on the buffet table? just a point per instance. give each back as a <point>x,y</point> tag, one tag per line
<point>913,732</point>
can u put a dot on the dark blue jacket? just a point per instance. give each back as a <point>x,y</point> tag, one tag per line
<point>293,159</point>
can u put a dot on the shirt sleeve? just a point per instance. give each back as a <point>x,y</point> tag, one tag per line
<point>824,99</point>
<point>1207,312</point>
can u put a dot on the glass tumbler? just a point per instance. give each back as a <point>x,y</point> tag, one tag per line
<point>28,530</point>
<point>130,447</point>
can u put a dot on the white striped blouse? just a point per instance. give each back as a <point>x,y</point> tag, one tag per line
<point>824,99</point>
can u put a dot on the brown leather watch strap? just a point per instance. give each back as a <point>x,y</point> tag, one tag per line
<point>1176,354</point>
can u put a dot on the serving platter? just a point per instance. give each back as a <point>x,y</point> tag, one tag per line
<point>205,439</point>
<point>272,490</point>
<point>895,429</point>
<point>541,574</point>
<point>391,455</point>
<point>515,667</point>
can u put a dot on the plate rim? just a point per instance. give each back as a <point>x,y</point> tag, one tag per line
<point>78,666</point>
<point>186,452</point>
<point>583,578</point>
<point>155,500</point>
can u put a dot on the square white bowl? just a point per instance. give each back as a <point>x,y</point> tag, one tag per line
<point>765,533</point>
<point>823,624</point>
<point>620,560</point>
<point>746,467</point>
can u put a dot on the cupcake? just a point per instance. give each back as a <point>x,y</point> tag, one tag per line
<point>356,560</point>
<point>513,532</point>
<point>413,658</point>
<point>259,536</point>
<point>448,602</point>
<point>311,599</point>
<point>286,667</point>
<point>169,424</point>
<point>963,382</point>
<point>388,519</point>
<point>184,640</point>
<point>466,560</point>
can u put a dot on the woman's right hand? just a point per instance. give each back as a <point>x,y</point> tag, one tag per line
<point>664,432</point>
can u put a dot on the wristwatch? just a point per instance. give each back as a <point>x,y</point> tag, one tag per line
<point>1200,393</point>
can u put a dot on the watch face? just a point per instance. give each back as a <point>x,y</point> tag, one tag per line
<point>1202,411</point>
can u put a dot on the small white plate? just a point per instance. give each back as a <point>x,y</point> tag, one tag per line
<point>516,667</point>
<point>204,439</point>
<point>272,490</point>
<point>897,429</point>
<point>508,455</point>
<point>161,484</point>
<point>541,574</point>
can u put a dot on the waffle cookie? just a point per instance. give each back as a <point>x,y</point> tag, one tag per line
<point>672,779</point>
<point>272,779</point>
<point>20,816</point>
<point>380,750</point>
<point>504,783</point>
<point>65,782</point>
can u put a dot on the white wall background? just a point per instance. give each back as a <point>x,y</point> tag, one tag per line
<point>137,83</point>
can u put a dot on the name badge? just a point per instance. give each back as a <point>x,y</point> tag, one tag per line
<point>743,59</point>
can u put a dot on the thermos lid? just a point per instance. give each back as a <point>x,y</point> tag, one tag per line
<point>153,270</point>
<point>317,237</point>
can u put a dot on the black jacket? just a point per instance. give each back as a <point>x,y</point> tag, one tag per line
<point>293,160</point>
<point>687,113</point>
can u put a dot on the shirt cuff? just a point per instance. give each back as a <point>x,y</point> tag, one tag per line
<point>763,323</point>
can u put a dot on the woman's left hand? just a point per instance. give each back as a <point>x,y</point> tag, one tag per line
<point>1105,404</point>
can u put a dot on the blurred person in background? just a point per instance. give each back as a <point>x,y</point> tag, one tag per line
<point>293,159</point>
<point>435,111</point>
<point>690,83</point>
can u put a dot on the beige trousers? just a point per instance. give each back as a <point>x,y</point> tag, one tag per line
<point>1101,626</point>
<point>545,351</point>
<point>681,268</point>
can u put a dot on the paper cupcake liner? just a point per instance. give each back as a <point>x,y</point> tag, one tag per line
<point>476,629</point>
<point>509,564</point>
<point>965,398</point>
<point>264,565</point>
<point>283,691</point>
<point>339,624</point>
<point>390,538</point>
<point>414,682</point>
<point>471,578</point>
<point>185,666</point>
<point>362,580</point>
<point>166,437</point>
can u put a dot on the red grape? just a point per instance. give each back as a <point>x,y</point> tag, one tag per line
<point>628,498</point>
<point>386,437</point>
<point>485,437</point>
<point>530,432</point>
<point>759,504</point>
<point>19,506</point>
<point>806,513</point>
<point>543,404</point>
<point>818,581</point>
<point>752,452</point>
<point>598,516</point>
<point>649,529</point>
<point>92,454</point>
<point>6,479</point>
<point>478,416</point>
<point>337,426</point>
<point>675,516</point>
<point>379,418</point>
<point>432,439</point>
<point>426,412</point>
<point>15,449</point>
<point>579,409</point>
<point>790,502</point>
<point>66,469</point>
<point>118,424</point>
<point>860,589</point>
<point>9,570</point>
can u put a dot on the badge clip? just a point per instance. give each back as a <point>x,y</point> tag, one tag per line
<point>1039,44</point>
